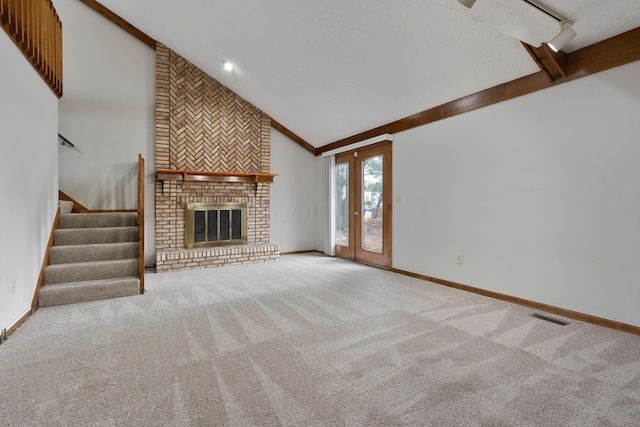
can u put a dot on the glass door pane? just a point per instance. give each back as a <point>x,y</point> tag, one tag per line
<point>361,207</point>
<point>373,214</point>
<point>342,204</point>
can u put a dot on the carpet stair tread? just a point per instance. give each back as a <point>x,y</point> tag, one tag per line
<point>83,236</point>
<point>92,270</point>
<point>94,256</point>
<point>93,252</point>
<point>96,220</point>
<point>89,290</point>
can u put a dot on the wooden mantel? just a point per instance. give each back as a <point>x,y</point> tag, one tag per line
<point>187,175</point>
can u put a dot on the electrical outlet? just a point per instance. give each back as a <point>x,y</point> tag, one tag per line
<point>13,287</point>
<point>459,258</point>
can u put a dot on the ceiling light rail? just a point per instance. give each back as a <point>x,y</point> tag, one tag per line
<point>543,8</point>
<point>566,33</point>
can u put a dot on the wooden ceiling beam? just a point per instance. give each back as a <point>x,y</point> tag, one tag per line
<point>295,138</point>
<point>610,53</point>
<point>120,22</point>
<point>552,64</point>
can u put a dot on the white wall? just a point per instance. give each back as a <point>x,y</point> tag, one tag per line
<point>292,195</point>
<point>29,189</point>
<point>541,195</point>
<point>108,112</point>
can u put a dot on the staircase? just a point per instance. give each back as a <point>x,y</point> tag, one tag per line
<point>95,256</point>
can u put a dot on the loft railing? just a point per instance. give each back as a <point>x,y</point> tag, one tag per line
<point>141,220</point>
<point>35,28</point>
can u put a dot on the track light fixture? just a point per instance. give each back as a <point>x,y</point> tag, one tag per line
<point>565,35</point>
<point>467,3</point>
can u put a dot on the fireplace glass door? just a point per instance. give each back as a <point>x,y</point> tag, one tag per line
<point>215,224</point>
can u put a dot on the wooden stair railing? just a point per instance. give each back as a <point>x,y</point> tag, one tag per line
<point>77,207</point>
<point>35,28</point>
<point>141,220</point>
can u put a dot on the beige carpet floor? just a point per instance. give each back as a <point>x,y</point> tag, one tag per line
<point>312,341</point>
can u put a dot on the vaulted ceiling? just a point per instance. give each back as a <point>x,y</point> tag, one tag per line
<point>330,69</point>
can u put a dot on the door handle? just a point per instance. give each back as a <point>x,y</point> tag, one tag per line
<point>356,213</point>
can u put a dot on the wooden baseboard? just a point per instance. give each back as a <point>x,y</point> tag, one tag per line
<point>45,263</point>
<point>40,283</point>
<point>19,323</point>
<point>587,318</point>
<point>301,252</point>
<point>77,207</point>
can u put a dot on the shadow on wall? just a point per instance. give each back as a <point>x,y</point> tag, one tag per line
<point>109,187</point>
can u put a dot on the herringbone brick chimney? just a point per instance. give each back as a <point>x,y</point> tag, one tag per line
<point>202,125</point>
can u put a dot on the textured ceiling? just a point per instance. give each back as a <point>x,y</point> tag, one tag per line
<point>333,68</point>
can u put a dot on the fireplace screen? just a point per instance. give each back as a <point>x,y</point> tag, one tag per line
<point>215,224</point>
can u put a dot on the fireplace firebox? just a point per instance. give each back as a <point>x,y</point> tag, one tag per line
<point>215,224</point>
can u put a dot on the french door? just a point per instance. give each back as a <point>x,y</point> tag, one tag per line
<point>363,205</point>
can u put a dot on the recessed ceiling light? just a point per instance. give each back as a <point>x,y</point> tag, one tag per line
<point>228,66</point>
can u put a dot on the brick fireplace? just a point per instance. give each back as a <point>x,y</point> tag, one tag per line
<point>202,126</point>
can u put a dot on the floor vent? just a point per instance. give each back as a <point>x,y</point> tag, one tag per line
<point>550,319</point>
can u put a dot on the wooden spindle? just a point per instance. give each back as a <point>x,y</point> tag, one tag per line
<point>35,28</point>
